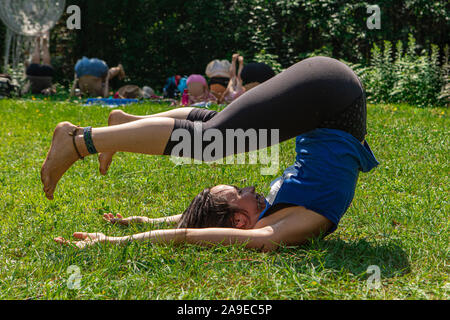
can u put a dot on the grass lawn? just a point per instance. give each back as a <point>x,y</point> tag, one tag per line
<point>399,218</point>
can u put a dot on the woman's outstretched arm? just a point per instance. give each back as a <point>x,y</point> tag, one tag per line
<point>252,238</point>
<point>289,226</point>
<point>139,219</point>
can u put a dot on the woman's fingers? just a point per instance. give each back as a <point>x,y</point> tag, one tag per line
<point>87,239</point>
<point>63,241</point>
<point>60,240</point>
<point>110,217</point>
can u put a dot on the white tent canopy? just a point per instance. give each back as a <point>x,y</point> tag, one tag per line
<point>27,18</point>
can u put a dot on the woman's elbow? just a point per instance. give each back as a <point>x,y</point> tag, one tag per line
<point>271,240</point>
<point>267,239</point>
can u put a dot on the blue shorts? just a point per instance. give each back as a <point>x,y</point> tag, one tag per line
<point>91,67</point>
<point>323,178</point>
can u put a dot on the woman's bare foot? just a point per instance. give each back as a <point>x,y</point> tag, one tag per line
<point>60,157</point>
<point>105,158</point>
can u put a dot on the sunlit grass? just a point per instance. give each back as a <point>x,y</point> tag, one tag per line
<point>398,220</point>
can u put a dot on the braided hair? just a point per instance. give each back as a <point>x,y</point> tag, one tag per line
<point>208,210</point>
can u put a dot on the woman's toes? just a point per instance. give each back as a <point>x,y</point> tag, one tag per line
<point>105,160</point>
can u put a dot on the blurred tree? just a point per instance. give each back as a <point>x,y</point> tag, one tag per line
<point>157,39</point>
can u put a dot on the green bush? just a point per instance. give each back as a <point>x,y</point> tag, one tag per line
<point>269,59</point>
<point>404,75</point>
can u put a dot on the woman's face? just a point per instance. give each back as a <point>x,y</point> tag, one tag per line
<point>251,203</point>
<point>196,89</point>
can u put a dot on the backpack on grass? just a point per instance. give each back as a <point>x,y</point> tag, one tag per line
<point>174,86</point>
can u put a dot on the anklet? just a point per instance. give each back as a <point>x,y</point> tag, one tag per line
<point>87,133</point>
<point>73,134</point>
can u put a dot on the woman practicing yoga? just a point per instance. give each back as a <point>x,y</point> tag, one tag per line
<point>39,75</point>
<point>92,76</point>
<point>320,101</point>
<point>235,87</point>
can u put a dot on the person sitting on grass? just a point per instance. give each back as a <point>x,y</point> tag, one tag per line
<point>307,201</point>
<point>92,76</point>
<point>40,75</point>
<point>131,91</point>
<point>218,73</point>
<point>197,91</point>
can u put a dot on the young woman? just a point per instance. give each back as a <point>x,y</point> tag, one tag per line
<point>235,87</point>
<point>92,76</point>
<point>197,91</point>
<point>40,75</point>
<point>320,101</point>
<point>218,73</point>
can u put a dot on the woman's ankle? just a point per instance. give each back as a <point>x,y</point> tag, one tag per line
<point>81,145</point>
<point>84,143</point>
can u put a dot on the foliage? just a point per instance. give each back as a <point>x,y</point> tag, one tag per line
<point>404,75</point>
<point>269,59</point>
<point>445,94</point>
<point>156,39</point>
<point>17,76</point>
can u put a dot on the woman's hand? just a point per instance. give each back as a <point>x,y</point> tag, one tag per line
<point>85,239</point>
<point>123,221</point>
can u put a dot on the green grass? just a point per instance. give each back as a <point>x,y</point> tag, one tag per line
<point>399,219</point>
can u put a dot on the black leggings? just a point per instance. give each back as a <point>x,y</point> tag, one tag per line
<point>318,92</point>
